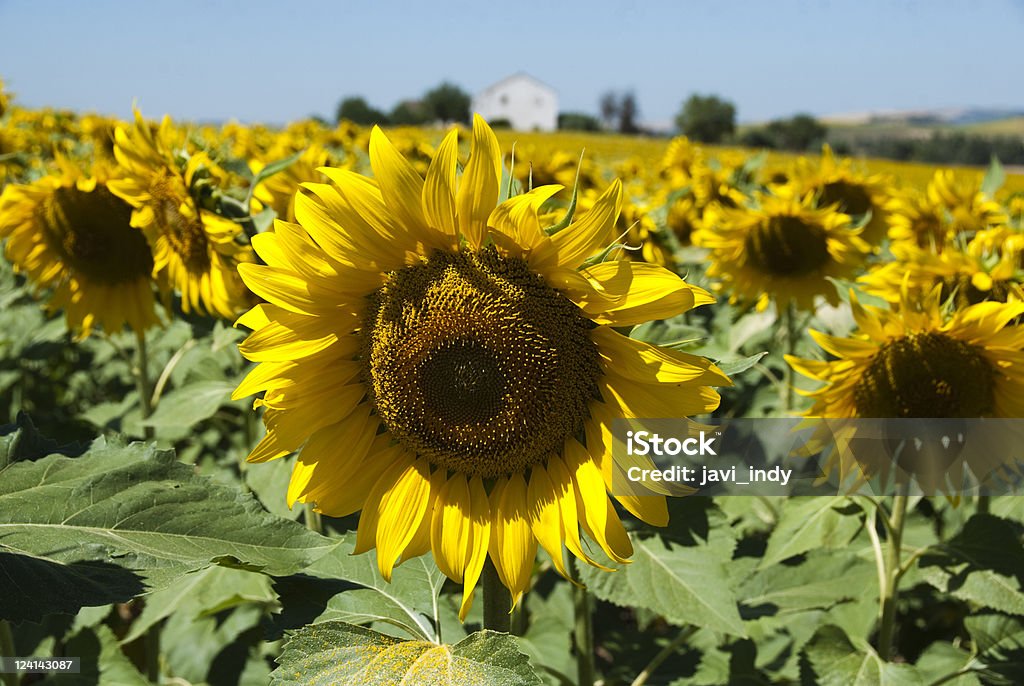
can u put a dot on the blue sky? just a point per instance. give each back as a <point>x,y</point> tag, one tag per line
<point>276,61</point>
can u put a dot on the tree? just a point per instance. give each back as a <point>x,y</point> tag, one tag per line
<point>707,118</point>
<point>609,106</point>
<point>447,102</point>
<point>356,110</point>
<point>628,112</point>
<point>410,113</point>
<point>578,121</point>
<point>799,132</point>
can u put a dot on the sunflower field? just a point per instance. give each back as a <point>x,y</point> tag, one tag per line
<point>333,405</point>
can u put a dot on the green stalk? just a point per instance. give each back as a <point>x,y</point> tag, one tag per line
<point>791,334</point>
<point>313,520</point>
<point>663,655</point>
<point>497,600</point>
<point>583,636</point>
<point>7,650</point>
<point>890,593</point>
<point>142,384</point>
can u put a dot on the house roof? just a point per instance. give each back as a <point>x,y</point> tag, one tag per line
<point>520,75</point>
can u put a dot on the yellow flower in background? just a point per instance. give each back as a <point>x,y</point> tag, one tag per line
<point>452,371</point>
<point>916,361</point>
<point>194,249</point>
<point>836,182</point>
<point>969,209</point>
<point>68,232</point>
<point>278,191</point>
<point>984,270</point>
<point>915,220</point>
<point>784,249</point>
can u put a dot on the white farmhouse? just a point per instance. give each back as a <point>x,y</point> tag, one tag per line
<point>526,103</point>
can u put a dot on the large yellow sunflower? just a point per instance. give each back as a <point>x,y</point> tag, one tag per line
<point>917,361</point>
<point>785,248</point>
<point>452,370</point>
<point>68,232</point>
<point>194,249</point>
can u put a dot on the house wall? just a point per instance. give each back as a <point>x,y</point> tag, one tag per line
<point>526,104</point>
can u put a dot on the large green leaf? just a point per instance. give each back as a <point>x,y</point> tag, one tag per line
<point>410,602</point>
<point>811,523</point>
<point>834,660</point>
<point>338,653</point>
<point>980,564</point>
<point>684,584</point>
<point>999,643</point>
<point>189,405</point>
<point>824,580</point>
<point>136,508</point>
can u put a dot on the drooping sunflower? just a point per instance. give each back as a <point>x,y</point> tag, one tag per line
<point>784,248</point>
<point>194,249</point>
<point>917,360</point>
<point>836,182</point>
<point>68,232</point>
<point>982,270</point>
<point>452,370</point>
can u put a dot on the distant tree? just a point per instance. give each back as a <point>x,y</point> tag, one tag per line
<point>447,102</point>
<point>578,121</point>
<point>357,110</point>
<point>800,132</point>
<point>628,113</point>
<point>410,113</point>
<point>609,107</point>
<point>707,118</point>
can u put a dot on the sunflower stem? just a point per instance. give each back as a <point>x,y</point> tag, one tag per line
<point>141,372</point>
<point>7,650</point>
<point>583,636</point>
<point>890,591</point>
<point>663,655</point>
<point>497,600</point>
<point>791,335</point>
<point>313,520</point>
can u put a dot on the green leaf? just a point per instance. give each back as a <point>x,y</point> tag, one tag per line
<point>191,404</point>
<point>684,584</point>
<point>809,523</point>
<point>995,176</point>
<point>409,602</point>
<point>941,660</point>
<point>824,580</point>
<point>338,653</point>
<point>268,171</point>
<point>22,441</point>
<point>837,661</point>
<point>999,642</point>
<point>739,366</point>
<point>203,593</point>
<point>136,508</point>
<point>978,565</point>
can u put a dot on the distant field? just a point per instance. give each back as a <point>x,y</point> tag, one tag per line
<point>613,148</point>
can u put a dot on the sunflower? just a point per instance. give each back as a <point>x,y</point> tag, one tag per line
<point>836,182</point>
<point>983,270</point>
<point>68,232</point>
<point>194,249</point>
<point>917,360</point>
<point>452,370</point>
<point>785,248</point>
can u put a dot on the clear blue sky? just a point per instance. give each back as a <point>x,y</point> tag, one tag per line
<point>275,61</point>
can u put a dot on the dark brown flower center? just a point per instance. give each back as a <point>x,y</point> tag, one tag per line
<point>787,246</point>
<point>926,375</point>
<point>474,362</point>
<point>92,232</point>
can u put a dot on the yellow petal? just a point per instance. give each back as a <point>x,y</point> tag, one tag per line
<point>439,189</point>
<point>545,516</point>
<point>334,453</point>
<point>594,231</point>
<point>650,364</point>
<point>338,499</point>
<point>479,188</point>
<point>512,545</point>
<point>400,510</point>
<point>600,520</point>
<point>400,185</point>
<point>645,292</point>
